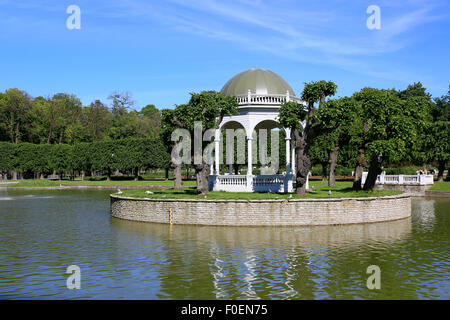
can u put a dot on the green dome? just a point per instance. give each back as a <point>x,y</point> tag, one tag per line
<point>258,81</point>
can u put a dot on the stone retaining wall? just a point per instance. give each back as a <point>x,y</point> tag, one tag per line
<point>263,212</point>
<point>437,193</point>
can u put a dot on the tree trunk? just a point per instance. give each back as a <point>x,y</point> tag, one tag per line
<point>441,168</point>
<point>166,173</point>
<point>61,137</point>
<point>448,174</point>
<point>14,175</point>
<point>17,133</point>
<point>302,143</point>
<point>202,173</point>
<point>374,171</point>
<point>236,168</point>
<point>82,175</point>
<point>303,164</point>
<point>108,175</point>
<point>136,174</point>
<point>324,171</point>
<point>333,163</point>
<point>357,182</point>
<point>49,135</point>
<point>177,181</point>
<point>360,164</point>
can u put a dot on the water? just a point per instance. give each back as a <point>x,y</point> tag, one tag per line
<point>43,232</point>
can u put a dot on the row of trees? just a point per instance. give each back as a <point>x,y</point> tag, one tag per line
<point>372,128</point>
<point>62,119</point>
<point>37,160</point>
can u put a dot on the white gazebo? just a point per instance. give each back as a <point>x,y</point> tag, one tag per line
<point>259,94</point>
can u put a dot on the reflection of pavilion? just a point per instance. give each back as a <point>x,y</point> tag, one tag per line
<point>260,94</point>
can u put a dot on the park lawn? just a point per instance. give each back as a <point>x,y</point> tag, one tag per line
<point>341,190</point>
<point>441,186</point>
<point>56,183</point>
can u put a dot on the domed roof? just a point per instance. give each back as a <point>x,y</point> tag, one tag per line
<point>259,81</point>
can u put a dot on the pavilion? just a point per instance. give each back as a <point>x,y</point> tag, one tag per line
<point>259,94</point>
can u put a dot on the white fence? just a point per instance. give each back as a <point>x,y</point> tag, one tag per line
<point>275,99</point>
<point>402,179</point>
<point>252,183</point>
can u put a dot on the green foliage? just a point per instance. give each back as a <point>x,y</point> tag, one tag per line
<point>437,132</point>
<point>392,126</point>
<point>291,114</point>
<point>60,158</point>
<point>402,170</point>
<point>318,90</point>
<point>8,156</point>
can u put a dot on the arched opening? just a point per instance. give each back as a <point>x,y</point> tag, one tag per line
<point>232,148</point>
<point>270,142</point>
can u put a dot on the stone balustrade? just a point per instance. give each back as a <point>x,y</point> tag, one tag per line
<point>252,183</point>
<point>402,179</point>
<point>265,99</point>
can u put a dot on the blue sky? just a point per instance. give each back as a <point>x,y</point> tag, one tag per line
<point>162,50</point>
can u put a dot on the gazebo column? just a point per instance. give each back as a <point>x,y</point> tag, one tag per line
<point>250,165</point>
<point>288,156</point>
<point>217,151</point>
<point>293,157</point>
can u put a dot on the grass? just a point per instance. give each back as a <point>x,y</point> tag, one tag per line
<point>341,190</point>
<point>56,183</point>
<point>441,186</point>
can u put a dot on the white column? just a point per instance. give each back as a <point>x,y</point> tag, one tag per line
<point>293,158</point>
<point>216,150</point>
<point>249,147</point>
<point>288,156</point>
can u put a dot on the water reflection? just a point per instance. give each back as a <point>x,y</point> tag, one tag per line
<point>258,262</point>
<point>42,232</point>
<point>313,236</point>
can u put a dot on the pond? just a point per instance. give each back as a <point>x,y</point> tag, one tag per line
<point>44,232</point>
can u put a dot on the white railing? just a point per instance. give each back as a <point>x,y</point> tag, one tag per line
<point>265,99</point>
<point>402,179</point>
<point>258,183</point>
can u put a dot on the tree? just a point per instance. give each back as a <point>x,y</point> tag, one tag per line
<point>95,119</point>
<point>167,127</point>
<point>293,114</point>
<point>81,158</point>
<point>121,102</point>
<point>208,107</point>
<point>336,118</point>
<point>438,135</point>
<point>60,158</point>
<point>64,113</point>
<point>391,126</point>
<point>319,153</point>
<point>9,159</point>
<point>15,107</point>
<point>149,122</point>
<point>104,157</point>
